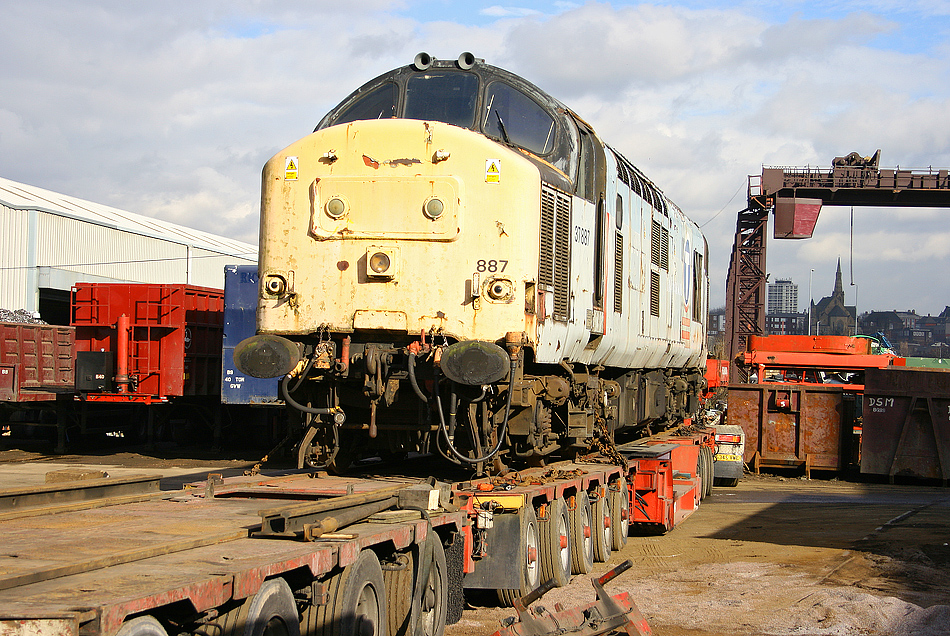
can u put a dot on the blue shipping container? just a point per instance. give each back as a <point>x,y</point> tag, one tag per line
<point>240,322</point>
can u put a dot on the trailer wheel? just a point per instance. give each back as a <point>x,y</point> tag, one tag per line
<point>556,544</point>
<point>710,471</point>
<point>619,514</point>
<point>582,543</point>
<point>431,611</point>
<point>529,568</point>
<point>142,626</point>
<point>397,577</point>
<point>600,528</point>
<point>270,612</point>
<point>356,601</point>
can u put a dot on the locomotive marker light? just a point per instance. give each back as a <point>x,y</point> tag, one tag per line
<point>433,208</point>
<point>336,207</point>
<point>501,289</point>
<point>275,285</point>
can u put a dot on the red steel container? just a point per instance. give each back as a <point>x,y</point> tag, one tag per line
<point>789,425</point>
<point>36,361</point>
<point>173,340</point>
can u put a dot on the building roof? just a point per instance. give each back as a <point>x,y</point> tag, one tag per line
<point>20,196</point>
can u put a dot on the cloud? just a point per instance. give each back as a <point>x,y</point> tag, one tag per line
<point>496,11</point>
<point>171,109</point>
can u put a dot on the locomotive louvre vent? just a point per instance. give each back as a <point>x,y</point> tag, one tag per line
<point>654,294</point>
<point>546,267</point>
<point>618,272</point>
<point>655,237</point>
<point>562,257</point>
<point>554,269</point>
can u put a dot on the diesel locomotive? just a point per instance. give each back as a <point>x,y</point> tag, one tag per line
<point>455,262</point>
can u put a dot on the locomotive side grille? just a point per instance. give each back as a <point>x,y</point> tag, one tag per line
<point>555,266</point>
<point>548,205</point>
<point>562,257</point>
<point>655,237</point>
<point>654,293</point>
<point>618,272</point>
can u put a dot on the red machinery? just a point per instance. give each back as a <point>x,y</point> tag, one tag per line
<point>156,341</point>
<point>803,407</point>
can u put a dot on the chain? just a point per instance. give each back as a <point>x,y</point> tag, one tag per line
<point>605,444</point>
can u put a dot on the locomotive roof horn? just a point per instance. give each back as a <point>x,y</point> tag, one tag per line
<point>422,61</point>
<point>466,61</point>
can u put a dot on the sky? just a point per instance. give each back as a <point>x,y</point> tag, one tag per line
<point>170,109</point>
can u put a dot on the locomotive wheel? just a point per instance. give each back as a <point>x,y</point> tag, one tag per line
<point>529,569</point>
<point>432,608</point>
<point>582,543</point>
<point>600,528</point>
<point>142,626</point>
<point>556,544</point>
<point>356,602</point>
<point>619,514</point>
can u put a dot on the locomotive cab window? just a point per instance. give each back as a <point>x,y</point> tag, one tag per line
<point>515,118</point>
<point>446,97</point>
<point>379,103</point>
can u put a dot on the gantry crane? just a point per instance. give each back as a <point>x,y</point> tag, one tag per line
<point>795,197</point>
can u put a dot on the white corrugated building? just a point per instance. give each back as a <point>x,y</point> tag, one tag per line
<point>49,241</point>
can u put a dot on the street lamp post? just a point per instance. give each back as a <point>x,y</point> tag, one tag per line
<point>809,300</point>
<point>855,308</point>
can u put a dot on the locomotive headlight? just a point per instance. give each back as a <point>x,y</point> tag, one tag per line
<point>433,208</point>
<point>500,289</point>
<point>335,207</point>
<point>381,262</point>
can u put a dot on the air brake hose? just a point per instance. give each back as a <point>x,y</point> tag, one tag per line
<point>501,433</point>
<point>412,378</point>
<point>336,412</point>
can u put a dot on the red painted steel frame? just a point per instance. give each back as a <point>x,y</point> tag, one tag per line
<point>175,332</point>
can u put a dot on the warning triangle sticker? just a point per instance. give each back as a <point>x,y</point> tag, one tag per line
<point>291,165</point>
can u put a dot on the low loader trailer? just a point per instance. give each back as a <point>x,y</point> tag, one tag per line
<point>309,553</point>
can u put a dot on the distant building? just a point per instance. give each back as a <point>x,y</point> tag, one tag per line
<point>786,324</point>
<point>830,316</point>
<point>782,297</point>
<point>51,241</point>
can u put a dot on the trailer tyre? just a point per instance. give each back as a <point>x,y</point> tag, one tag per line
<point>271,612</point>
<point>142,626</point>
<point>529,566</point>
<point>601,528</point>
<point>710,471</point>
<point>356,603</point>
<point>619,514</point>
<point>431,611</point>
<point>582,541</point>
<point>556,544</point>
<point>397,577</point>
